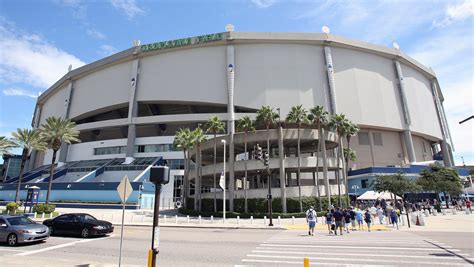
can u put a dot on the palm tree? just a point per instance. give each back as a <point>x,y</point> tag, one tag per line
<point>184,140</point>
<point>198,138</point>
<point>337,123</point>
<point>350,130</point>
<point>267,117</point>
<point>319,117</point>
<point>54,132</point>
<point>245,125</point>
<point>215,126</point>
<point>28,139</point>
<point>298,115</point>
<point>5,145</point>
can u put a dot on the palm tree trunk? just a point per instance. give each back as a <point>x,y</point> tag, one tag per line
<point>299,171</point>
<point>185,181</point>
<point>51,175</point>
<point>24,157</point>
<point>317,167</point>
<point>200,179</point>
<point>325,166</point>
<point>344,176</point>
<point>245,178</point>
<point>214,174</point>
<point>338,151</point>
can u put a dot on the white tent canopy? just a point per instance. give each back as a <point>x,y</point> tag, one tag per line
<point>372,195</point>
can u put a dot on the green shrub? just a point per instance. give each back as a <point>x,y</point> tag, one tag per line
<point>12,207</point>
<point>44,208</point>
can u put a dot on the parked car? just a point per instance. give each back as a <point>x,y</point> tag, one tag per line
<point>20,229</point>
<point>82,224</point>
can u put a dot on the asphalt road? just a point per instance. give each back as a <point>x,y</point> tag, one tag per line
<point>233,247</point>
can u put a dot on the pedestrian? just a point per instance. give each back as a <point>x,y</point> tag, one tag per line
<point>380,215</point>
<point>338,220</point>
<point>347,218</point>
<point>359,217</point>
<point>329,219</point>
<point>468,205</point>
<point>368,218</point>
<point>394,218</point>
<point>353,218</point>
<point>311,219</point>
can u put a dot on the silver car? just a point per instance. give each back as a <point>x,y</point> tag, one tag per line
<point>20,229</point>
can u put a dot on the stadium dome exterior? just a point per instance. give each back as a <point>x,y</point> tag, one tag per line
<point>129,105</point>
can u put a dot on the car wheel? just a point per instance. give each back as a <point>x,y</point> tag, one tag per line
<point>12,240</point>
<point>85,233</point>
<point>51,230</point>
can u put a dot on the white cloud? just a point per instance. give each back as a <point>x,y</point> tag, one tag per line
<point>455,13</point>
<point>95,34</point>
<point>107,50</point>
<point>263,3</point>
<point>19,92</point>
<point>30,59</point>
<point>128,7</point>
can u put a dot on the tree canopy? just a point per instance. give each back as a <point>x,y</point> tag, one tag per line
<point>397,184</point>
<point>440,179</point>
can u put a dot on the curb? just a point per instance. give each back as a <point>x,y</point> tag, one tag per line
<point>206,226</point>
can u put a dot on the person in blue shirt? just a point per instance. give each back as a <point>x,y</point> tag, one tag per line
<point>360,219</point>
<point>311,219</point>
<point>394,218</point>
<point>329,220</point>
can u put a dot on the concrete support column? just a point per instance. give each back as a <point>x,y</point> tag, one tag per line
<point>132,113</point>
<point>331,80</point>
<point>446,151</point>
<point>282,169</point>
<point>67,104</point>
<point>406,114</point>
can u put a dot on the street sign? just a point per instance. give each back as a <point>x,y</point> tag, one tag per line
<point>157,237</point>
<point>221,181</point>
<point>124,189</point>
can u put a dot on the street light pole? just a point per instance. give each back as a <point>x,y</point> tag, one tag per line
<point>223,175</point>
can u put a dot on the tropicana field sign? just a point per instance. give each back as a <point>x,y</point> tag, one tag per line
<point>183,42</point>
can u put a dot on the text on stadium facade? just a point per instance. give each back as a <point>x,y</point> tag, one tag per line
<point>183,42</point>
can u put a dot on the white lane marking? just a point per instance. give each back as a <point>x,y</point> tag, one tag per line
<point>331,249</point>
<point>319,259</point>
<point>7,249</point>
<point>356,247</point>
<point>426,245</point>
<point>62,246</point>
<point>301,262</point>
<point>453,257</point>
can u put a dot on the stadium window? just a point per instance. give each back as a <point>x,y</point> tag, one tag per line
<point>377,139</point>
<point>363,138</point>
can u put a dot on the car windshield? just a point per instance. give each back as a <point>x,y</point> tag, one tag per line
<point>20,221</point>
<point>86,218</point>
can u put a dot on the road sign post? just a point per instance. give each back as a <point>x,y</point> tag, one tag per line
<point>124,189</point>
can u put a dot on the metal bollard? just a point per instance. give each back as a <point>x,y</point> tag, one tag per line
<point>454,211</point>
<point>265,220</point>
<point>403,219</point>
<point>238,219</point>
<point>306,262</point>
<point>51,215</point>
<point>427,213</point>
<point>443,211</point>
<point>112,217</point>
<point>435,212</point>
<point>176,219</point>
<point>199,219</point>
<point>292,219</point>
<point>35,214</point>
<point>164,218</point>
<point>212,218</point>
<point>279,220</point>
<point>133,217</point>
<point>42,215</point>
<point>187,219</point>
<point>251,219</point>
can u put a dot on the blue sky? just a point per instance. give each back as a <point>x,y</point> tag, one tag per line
<point>39,39</point>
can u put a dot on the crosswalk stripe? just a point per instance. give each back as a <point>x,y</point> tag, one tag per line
<point>354,243</point>
<point>318,259</point>
<point>453,257</point>
<point>356,247</point>
<point>298,262</point>
<point>362,251</point>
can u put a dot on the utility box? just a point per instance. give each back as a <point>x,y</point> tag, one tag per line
<point>160,174</point>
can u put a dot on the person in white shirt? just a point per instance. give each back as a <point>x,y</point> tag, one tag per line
<point>311,219</point>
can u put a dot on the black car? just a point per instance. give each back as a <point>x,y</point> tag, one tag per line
<point>82,224</point>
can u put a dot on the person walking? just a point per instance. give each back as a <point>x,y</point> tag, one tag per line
<point>311,219</point>
<point>360,219</point>
<point>352,213</point>
<point>329,220</point>
<point>347,218</point>
<point>468,205</point>
<point>394,218</point>
<point>368,218</point>
<point>339,220</point>
<point>380,215</point>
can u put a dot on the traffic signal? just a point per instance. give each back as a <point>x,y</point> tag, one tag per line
<point>266,159</point>
<point>259,152</point>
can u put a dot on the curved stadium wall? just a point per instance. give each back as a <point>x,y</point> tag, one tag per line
<point>130,104</point>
